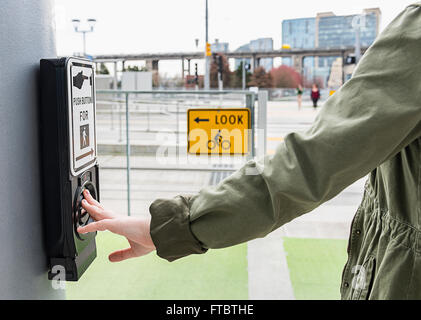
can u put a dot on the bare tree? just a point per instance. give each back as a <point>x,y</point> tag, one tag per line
<point>260,78</point>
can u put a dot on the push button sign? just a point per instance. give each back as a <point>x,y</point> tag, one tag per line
<point>82,115</point>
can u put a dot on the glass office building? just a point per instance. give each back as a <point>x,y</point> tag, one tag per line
<point>327,30</point>
<point>337,31</point>
<point>261,44</point>
<point>299,33</point>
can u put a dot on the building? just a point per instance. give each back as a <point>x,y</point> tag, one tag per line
<point>219,47</point>
<point>327,30</point>
<point>336,31</point>
<point>300,34</point>
<point>261,44</point>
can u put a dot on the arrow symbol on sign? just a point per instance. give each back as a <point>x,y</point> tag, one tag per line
<point>198,120</point>
<point>79,79</point>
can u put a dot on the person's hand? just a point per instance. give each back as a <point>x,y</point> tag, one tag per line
<point>136,230</point>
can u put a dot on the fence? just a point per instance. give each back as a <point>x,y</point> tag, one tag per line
<point>154,123</point>
<point>287,94</point>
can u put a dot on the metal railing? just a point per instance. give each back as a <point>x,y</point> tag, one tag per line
<point>148,106</point>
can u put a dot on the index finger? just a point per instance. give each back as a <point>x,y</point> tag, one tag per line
<point>93,226</point>
<point>95,212</point>
<point>87,195</point>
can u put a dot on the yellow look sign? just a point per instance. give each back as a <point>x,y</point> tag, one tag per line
<point>218,131</point>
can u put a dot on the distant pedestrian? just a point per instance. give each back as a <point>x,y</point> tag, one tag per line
<point>299,96</point>
<point>315,95</point>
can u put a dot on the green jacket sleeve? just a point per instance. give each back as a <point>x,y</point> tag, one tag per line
<point>370,119</point>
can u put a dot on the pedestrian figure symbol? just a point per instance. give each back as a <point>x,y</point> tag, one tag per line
<point>84,136</point>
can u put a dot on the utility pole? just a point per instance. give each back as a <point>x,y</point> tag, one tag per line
<point>23,262</point>
<point>245,69</point>
<point>220,64</point>
<point>207,53</point>
<point>357,45</point>
<point>244,73</point>
<point>196,77</point>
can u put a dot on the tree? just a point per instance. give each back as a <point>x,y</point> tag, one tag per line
<point>308,82</point>
<point>260,78</point>
<point>237,79</point>
<point>226,72</point>
<point>132,68</point>
<point>103,69</point>
<point>285,77</point>
<point>135,68</point>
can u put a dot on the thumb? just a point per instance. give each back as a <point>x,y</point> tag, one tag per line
<point>121,255</point>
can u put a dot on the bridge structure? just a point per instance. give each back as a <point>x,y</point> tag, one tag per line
<point>297,56</point>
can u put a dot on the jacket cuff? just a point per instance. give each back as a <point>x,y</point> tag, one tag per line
<point>170,229</point>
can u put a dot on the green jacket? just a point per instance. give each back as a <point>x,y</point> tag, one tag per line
<point>370,126</point>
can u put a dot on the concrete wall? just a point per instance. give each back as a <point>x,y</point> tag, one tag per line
<point>26,36</point>
<point>103,82</point>
<point>132,80</point>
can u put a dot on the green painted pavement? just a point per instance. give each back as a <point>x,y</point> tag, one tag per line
<point>315,270</point>
<point>315,267</point>
<point>218,274</point>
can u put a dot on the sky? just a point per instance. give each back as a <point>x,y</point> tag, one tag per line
<point>140,26</point>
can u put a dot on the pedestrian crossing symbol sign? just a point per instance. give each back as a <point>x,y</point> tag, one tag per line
<point>84,136</point>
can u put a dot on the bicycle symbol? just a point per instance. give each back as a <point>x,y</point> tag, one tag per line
<point>219,141</point>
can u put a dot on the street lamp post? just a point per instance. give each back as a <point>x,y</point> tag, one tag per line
<point>207,57</point>
<point>91,24</point>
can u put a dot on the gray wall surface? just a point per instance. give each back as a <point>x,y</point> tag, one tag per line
<point>136,81</point>
<point>26,36</point>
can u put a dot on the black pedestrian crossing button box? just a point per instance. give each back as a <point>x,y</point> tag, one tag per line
<point>69,163</point>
